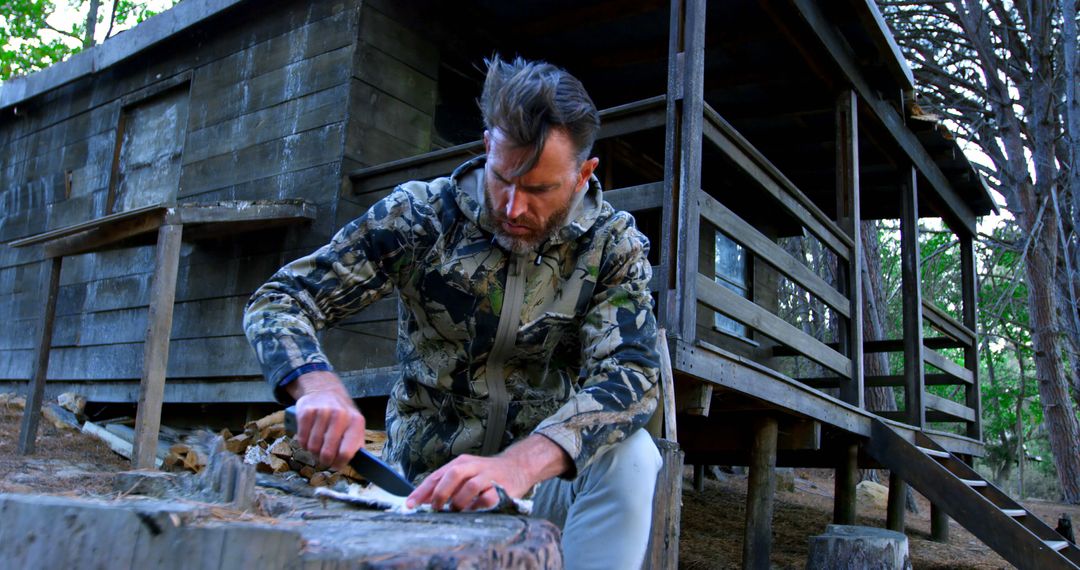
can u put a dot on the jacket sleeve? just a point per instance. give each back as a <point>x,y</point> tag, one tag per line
<point>361,263</point>
<point>619,385</point>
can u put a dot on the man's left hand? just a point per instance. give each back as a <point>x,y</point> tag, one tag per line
<point>468,482</point>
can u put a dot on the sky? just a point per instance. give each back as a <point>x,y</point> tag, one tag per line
<point>65,15</point>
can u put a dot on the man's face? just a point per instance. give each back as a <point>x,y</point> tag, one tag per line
<point>528,209</point>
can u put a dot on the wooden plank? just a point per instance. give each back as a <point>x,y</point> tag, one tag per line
<point>949,367</point>
<point>729,141</point>
<point>760,490</point>
<point>239,211</point>
<point>380,70</point>
<point>957,411</point>
<point>398,40</point>
<point>896,507</point>
<point>880,381</point>
<point>663,549</point>
<point>969,294</point>
<point>849,220</point>
<point>911,288</point>
<point>958,213</point>
<point>156,350</point>
<point>32,411</point>
<point>636,198</point>
<point>766,249</point>
<point>85,226</point>
<point>732,304</point>
<point>944,322</point>
<point>393,116</point>
<point>847,476</point>
<point>288,118</point>
<point>667,387</point>
<point>307,149</point>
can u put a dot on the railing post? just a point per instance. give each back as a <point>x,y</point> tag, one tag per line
<point>849,274</point>
<point>912,299</point>
<point>969,284</point>
<point>682,165</point>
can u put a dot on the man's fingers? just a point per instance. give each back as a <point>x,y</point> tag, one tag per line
<point>486,500</point>
<point>469,493</point>
<point>331,438</point>
<point>318,431</point>
<point>451,481</point>
<point>351,441</point>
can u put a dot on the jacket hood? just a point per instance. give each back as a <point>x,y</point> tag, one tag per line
<point>468,183</point>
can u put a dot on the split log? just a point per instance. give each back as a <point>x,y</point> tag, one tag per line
<point>238,443</point>
<point>72,402</point>
<point>844,546</point>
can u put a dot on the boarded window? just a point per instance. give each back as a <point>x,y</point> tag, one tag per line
<point>147,169</point>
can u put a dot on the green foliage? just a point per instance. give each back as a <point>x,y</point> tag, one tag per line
<point>30,40</point>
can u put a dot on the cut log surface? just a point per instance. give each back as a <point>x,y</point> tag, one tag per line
<point>168,534</point>
<point>845,546</point>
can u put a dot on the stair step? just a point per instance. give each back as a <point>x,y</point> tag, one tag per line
<point>974,482</point>
<point>1015,512</point>
<point>1057,545</point>
<point>934,452</point>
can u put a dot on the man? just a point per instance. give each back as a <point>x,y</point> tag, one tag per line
<point>526,336</point>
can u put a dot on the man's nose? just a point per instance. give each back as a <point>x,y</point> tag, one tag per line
<point>516,203</point>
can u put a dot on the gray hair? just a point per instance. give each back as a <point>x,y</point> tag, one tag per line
<point>525,99</point>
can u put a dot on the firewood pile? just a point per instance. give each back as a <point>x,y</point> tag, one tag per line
<point>264,444</point>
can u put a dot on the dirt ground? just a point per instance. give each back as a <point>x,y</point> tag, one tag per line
<point>712,520</point>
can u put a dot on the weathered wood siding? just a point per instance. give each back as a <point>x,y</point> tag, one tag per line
<point>271,94</point>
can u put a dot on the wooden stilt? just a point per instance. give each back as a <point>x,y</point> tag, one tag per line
<point>699,478</point>
<point>847,474</point>
<point>757,545</point>
<point>897,501</point>
<point>939,524</point>
<point>156,349</point>
<point>36,390</point>
<point>663,551</point>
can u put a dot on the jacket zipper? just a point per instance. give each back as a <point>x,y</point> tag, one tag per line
<point>505,339</point>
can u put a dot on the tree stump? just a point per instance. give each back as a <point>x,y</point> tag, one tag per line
<point>844,546</point>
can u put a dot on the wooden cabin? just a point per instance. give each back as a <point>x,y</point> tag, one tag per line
<point>255,130</point>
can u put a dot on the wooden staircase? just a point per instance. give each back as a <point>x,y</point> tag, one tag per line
<point>998,521</point>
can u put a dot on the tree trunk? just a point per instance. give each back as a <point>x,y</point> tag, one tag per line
<point>1058,414</point>
<point>91,23</point>
<point>874,315</point>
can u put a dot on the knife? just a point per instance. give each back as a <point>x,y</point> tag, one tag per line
<point>370,467</point>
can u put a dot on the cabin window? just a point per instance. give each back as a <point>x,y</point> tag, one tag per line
<point>730,266</point>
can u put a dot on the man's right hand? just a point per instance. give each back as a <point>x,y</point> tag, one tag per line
<point>328,422</point>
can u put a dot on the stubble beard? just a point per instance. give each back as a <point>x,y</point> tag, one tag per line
<point>528,243</point>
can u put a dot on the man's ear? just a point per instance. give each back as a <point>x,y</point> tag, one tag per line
<point>587,169</point>
<point>487,141</point>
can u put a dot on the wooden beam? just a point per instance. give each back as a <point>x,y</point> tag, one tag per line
<point>880,381</point>
<point>894,516</point>
<point>761,487</point>
<point>969,292</point>
<point>949,367</point>
<point>939,524</point>
<point>105,235</point>
<point>732,304</point>
<point>36,389</point>
<point>847,477</point>
<point>768,250</point>
<point>636,198</point>
<point>944,322</point>
<point>912,302</point>
<point>684,167</point>
<point>720,133</point>
<point>949,408</point>
<point>156,348</point>
<point>848,218</point>
<point>238,212</point>
<point>958,213</point>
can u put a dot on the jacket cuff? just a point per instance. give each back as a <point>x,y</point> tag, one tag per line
<point>281,394</point>
<point>570,442</point>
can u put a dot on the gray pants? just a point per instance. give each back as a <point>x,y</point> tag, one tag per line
<point>606,512</point>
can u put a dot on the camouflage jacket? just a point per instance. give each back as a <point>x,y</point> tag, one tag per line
<point>493,346</point>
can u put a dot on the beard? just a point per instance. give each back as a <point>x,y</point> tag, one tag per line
<point>541,231</point>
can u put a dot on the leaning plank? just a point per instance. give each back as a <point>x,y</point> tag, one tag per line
<point>31,413</point>
<point>115,442</point>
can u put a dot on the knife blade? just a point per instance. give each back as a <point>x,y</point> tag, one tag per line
<point>370,467</point>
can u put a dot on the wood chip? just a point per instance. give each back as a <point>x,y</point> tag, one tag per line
<point>277,417</point>
<point>307,471</point>
<point>319,479</point>
<point>281,448</point>
<point>238,443</point>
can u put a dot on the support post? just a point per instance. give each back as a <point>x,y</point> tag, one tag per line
<point>156,349</point>
<point>682,164</point>
<point>912,304</point>
<point>939,524</point>
<point>847,475</point>
<point>699,477</point>
<point>36,388</point>
<point>761,487</point>
<point>849,274</point>
<point>970,288</point>
<point>894,519</point>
